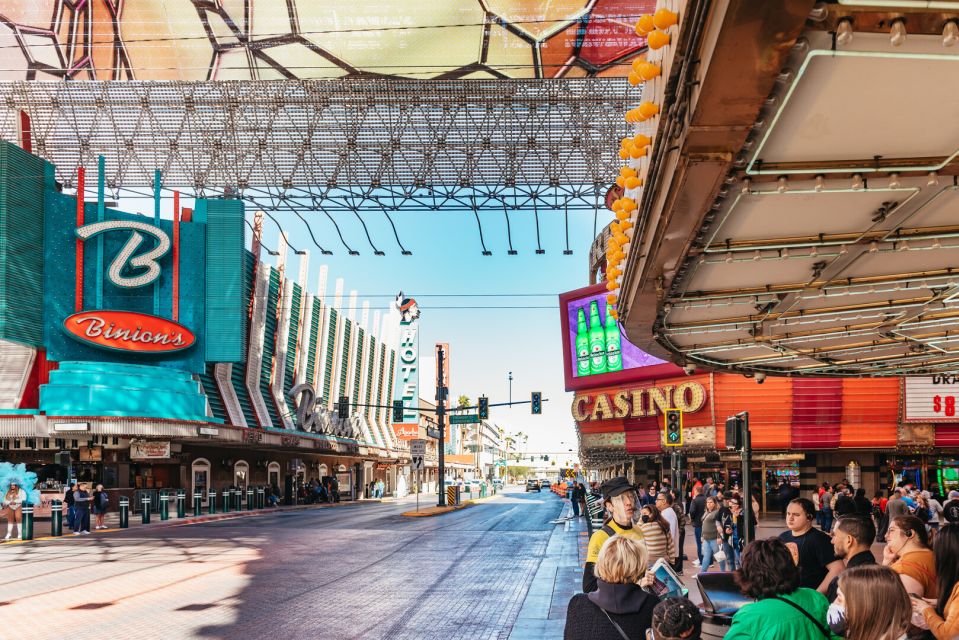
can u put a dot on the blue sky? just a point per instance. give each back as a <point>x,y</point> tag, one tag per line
<point>485,342</point>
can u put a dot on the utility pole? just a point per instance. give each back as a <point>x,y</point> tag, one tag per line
<point>510,389</point>
<point>441,424</point>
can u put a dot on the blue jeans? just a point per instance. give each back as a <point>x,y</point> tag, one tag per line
<point>575,504</point>
<point>82,519</point>
<point>827,520</point>
<point>710,547</point>
<point>71,516</point>
<point>698,534</point>
<point>732,556</point>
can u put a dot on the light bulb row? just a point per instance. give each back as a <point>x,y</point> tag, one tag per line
<point>659,28</point>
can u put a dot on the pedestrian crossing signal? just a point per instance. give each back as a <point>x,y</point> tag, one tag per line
<point>536,403</point>
<point>397,411</point>
<point>483,408</point>
<point>674,428</point>
<point>343,409</point>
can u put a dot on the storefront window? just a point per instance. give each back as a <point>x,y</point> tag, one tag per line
<point>201,475</point>
<point>273,474</point>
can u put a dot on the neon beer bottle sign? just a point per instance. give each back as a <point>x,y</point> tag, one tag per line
<point>130,331</point>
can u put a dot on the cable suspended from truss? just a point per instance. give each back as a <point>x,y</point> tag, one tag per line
<point>325,252</point>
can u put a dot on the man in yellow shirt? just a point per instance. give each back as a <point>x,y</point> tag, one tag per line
<point>619,499</point>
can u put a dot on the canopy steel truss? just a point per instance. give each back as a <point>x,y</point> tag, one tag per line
<point>336,145</point>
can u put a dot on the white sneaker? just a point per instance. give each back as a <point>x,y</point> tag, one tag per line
<point>86,533</point>
<point>695,563</point>
<point>76,533</point>
<point>8,537</point>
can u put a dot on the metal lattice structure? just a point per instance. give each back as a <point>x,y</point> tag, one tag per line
<point>349,145</point>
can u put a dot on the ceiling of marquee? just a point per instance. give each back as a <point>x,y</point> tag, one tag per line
<point>196,40</point>
<point>828,242</point>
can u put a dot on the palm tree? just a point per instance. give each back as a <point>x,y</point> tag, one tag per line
<point>462,402</point>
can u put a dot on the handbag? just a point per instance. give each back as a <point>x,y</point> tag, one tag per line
<point>720,556</point>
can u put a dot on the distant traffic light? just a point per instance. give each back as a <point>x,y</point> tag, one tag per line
<point>397,411</point>
<point>537,403</point>
<point>674,428</point>
<point>483,408</point>
<point>343,408</point>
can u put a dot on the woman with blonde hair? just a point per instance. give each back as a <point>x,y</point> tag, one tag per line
<point>619,608</point>
<point>876,604</point>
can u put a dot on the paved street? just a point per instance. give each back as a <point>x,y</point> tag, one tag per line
<point>357,571</point>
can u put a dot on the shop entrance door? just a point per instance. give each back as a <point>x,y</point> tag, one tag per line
<point>201,477</point>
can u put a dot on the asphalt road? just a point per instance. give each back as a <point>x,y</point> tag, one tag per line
<point>356,571</point>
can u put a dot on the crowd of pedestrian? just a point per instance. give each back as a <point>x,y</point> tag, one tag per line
<point>818,579</point>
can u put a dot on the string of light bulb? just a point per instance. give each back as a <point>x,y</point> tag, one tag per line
<point>659,28</point>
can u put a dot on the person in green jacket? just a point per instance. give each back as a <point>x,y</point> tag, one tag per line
<point>783,610</point>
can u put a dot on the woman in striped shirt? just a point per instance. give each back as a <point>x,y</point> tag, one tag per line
<point>659,541</point>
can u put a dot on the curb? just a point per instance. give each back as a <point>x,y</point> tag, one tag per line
<point>434,511</point>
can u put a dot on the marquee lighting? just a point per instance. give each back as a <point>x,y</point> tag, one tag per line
<point>645,25</point>
<point>657,39</point>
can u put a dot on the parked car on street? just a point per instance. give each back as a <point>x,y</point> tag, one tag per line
<point>532,485</point>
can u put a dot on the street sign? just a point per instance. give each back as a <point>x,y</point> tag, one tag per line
<point>418,448</point>
<point>465,418</point>
<point>433,433</point>
<point>419,462</point>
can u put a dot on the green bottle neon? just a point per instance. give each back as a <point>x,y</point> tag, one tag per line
<point>582,344</point>
<point>614,353</point>
<point>597,341</point>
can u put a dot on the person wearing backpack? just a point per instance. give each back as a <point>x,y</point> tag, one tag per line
<point>101,500</point>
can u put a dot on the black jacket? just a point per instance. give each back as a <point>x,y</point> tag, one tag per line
<point>863,505</point>
<point>628,605</point>
<point>858,560</point>
<point>696,510</point>
<point>844,505</point>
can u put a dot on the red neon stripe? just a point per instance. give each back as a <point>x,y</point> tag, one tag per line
<point>176,255</point>
<point>26,139</point>
<point>79,266</point>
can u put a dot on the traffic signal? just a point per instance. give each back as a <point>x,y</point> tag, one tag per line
<point>483,408</point>
<point>536,403</point>
<point>397,411</point>
<point>734,433</point>
<point>343,409</point>
<point>674,428</point>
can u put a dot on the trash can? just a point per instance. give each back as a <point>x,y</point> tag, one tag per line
<point>124,512</point>
<point>56,518</point>
<point>197,503</point>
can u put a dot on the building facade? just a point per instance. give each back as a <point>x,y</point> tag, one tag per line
<point>189,365</point>
<point>874,432</point>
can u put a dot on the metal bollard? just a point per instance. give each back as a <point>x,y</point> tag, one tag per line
<point>260,499</point>
<point>181,504</point>
<point>227,500</point>
<point>145,503</point>
<point>26,526</point>
<point>124,513</point>
<point>56,518</point>
<point>197,503</point>
<point>164,507</point>
<point>212,496</point>
<point>237,500</point>
<point>249,499</point>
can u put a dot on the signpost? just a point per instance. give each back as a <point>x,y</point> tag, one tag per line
<point>464,418</point>
<point>418,457</point>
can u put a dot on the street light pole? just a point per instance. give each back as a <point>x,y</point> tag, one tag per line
<point>510,389</point>
<point>441,425</point>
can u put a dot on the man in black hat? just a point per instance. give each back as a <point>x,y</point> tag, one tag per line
<point>619,499</point>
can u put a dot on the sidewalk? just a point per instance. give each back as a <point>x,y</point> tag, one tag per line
<point>559,577</point>
<point>42,528</point>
